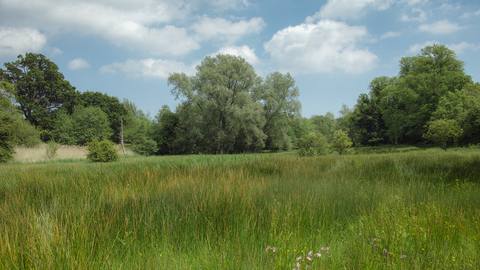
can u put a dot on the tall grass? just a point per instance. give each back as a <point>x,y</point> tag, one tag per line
<point>398,211</point>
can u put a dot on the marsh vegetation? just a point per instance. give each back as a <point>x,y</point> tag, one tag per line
<point>417,209</point>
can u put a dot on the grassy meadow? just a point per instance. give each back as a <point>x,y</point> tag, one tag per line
<point>414,209</point>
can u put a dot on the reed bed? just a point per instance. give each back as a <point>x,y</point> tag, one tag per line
<point>378,211</point>
<point>65,152</point>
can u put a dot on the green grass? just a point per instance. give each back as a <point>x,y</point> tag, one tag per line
<point>221,212</point>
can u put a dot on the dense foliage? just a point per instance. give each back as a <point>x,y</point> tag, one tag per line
<point>227,108</point>
<point>40,88</point>
<point>430,86</point>
<point>81,127</point>
<point>7,127</point>
<point>102,151</point>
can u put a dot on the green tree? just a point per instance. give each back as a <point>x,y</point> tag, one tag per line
<point>138,130</point>
<point>84,125</point>
<point>225,117</point>
<point>325,124</point>
<point>368,115</point>
<point>313,144</point>
<point>423,81</point>
<point>89,123</point>
<point>166,128</point>
<point>40,88</point>
<point>7,126</point>
<point>395,106</point>
<point>462,106</point>
<point>347,121</point>
<point>341,141</point>
<point>281,108</point>
<point>113,108</point>
<point>298,129</point>
<point>62,131</point>
<point>443,131</point>
<point>25,134</point>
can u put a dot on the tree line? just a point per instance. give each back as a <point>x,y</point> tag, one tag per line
<point>227,108</point>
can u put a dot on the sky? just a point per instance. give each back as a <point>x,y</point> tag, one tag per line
<point>333,48</point>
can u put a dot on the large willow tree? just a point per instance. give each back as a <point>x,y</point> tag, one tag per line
<point>222,114</point>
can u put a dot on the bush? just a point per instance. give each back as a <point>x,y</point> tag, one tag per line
<point>102,151</point>
<point>51,149</point>
<point>26,134</point>
<point>313,144</point>
<point>341,142</point>
<point>146,147</point>
<point>443,131</point>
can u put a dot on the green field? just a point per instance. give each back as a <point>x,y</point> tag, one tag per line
<point>381,209</point>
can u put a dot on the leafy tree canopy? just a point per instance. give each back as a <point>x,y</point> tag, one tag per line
<point>109,105</point>
<point>226,118</point>
<point>39,87</point>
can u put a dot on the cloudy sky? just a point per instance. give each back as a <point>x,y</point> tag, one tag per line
<point>333,48</point>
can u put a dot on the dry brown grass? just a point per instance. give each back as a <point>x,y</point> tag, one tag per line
<point>38,153</point>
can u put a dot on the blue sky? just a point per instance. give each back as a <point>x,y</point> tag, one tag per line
<point>333,48</point>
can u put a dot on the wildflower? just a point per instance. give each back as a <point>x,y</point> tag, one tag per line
<point>299,258</point>
<point>270,248</point>
<point>360,233</point>
<point>402,256</point>
<point>318,254</point>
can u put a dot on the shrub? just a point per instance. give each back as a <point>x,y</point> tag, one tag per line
<point>101,151</point>
<point>26,134</point>
<point>341,141</point>
<point>443,131</point>
<point>51,149</point>
<point>146,147</point>
<point>313,144</point>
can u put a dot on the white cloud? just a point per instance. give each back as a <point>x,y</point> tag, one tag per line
<point>150,68</point>
<point>137,24</point>
<point>243,51</point>
<point>158,41</point>
<point>416,14</point>
<point>440,27</point>
<point>208,28</point>
<point>448,7</point>
<point>390,34</point>
<point>462,46</point>
<point>471,14</point>
<point>414,2</point>
<point>15,41</point>
<point>345,9</point>
<point>56,51</point>
<point>230,4</point>
<point>322,47</point>
<point>417,48</point>
<point>458,48</point>
<point>78,63</point>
